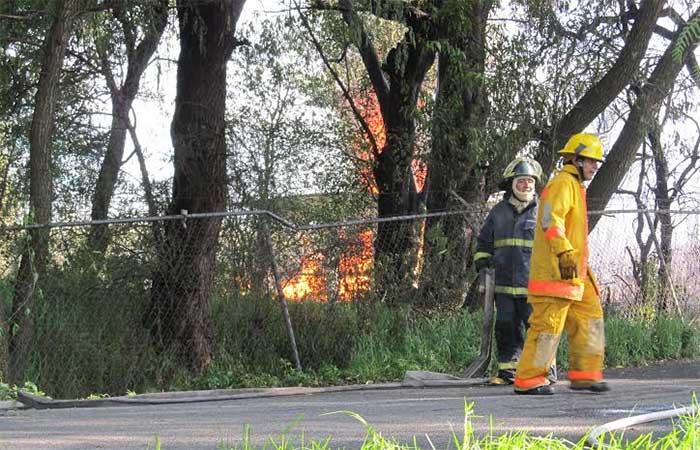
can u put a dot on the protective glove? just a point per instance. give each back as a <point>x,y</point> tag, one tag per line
<point>568,265</point>
<point>482,263</point>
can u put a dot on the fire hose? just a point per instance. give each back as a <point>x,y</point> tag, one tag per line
<point>636,420</point>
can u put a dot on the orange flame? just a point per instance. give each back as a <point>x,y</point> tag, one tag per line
<point>368,106</point>
<point>354,273</point>
<point>310,283</point>
<point>356,262</point>
<point>420,171</point>
<point>355,267</point>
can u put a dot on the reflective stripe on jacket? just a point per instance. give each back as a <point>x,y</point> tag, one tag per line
<point>562,225</point>
<point>506,238</point>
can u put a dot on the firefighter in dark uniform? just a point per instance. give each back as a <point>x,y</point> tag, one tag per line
<point>505,243</point>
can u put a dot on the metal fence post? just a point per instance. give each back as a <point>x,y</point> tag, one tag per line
<point>280,294</point>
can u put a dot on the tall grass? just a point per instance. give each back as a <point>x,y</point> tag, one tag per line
<point>88,333</point>
<point>444,343</point>
<point>633,342</point>
<point>370,343</point>
<point>96,343</point>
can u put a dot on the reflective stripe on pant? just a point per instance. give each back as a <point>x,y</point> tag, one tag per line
<point>583,322</point>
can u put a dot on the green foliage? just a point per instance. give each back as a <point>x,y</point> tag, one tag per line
<point>89,340</point>
<point>156,444</point>
<point>440,289</point>
<point>9,392</point>
<point>627,342</point>
<point>688,37</point>
<point>280,139</point>
<point>690,342</point>
<point>337,344</point>
<point>684,435</point>
<point>635,342</point>
<point>89,335</point>
<point>442,343</point>
<point>632,342</point>
<point>254,331</point>
<point>447,343</point>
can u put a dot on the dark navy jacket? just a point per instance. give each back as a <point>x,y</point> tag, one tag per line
<point>506,238</point>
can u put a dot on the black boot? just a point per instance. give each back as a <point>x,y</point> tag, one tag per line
<point>539,390</point>
<point>598,386</point>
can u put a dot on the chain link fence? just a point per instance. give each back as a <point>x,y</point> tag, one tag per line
<point>119,305</point>
<point>642,273</point>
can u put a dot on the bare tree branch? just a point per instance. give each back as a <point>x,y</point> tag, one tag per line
<point>346,92</point>
<point>600,95</point>
<point>691,169</point>
<point>693,67</point>
<point>145,179</point>
<point>691,60</point>
<point>663,32</point>
<point>29,16</point>
<point>647,106</point>
<point>403,12</point>
<point>367,52</point>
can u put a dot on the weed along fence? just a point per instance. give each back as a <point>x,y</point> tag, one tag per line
<point>206,300</point>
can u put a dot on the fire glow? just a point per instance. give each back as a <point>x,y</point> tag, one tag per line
<point>355,264</point>
<point>369,109</point>
<point>353,269</point>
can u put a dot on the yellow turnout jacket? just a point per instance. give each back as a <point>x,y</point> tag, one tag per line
<point>562,225</point>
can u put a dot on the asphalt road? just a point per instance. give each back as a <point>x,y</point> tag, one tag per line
<point>426,413</point>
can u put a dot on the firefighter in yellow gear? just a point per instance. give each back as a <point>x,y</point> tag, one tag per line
<point>562,289</point>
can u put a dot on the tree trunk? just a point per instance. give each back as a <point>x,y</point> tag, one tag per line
<point>180,317</point>
<point>122,99</point>
<point>34,258</point>
<point>460,112</point>
<point>602,93</point>
<point>147,187</point>
<point>396,83</point>
<point>641,118</point>
<point>663,202</point>
<point>396,242</point>
<point>109,170</point>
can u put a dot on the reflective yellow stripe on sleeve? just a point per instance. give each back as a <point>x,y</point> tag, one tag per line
<point>480,255</point>
<point>514,242</point>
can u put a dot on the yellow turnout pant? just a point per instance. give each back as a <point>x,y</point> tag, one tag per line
<point>583,322</point>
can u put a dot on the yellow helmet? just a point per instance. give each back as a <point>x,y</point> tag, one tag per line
<point>586,145</point>
<point>523,166</point>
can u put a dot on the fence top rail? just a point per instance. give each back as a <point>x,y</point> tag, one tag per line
<point>126,220</point>
<point>304,227</point>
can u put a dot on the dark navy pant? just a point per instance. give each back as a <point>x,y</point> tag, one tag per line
<point>511,323</point>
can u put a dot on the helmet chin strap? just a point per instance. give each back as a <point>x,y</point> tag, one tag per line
<point>578,163</point>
